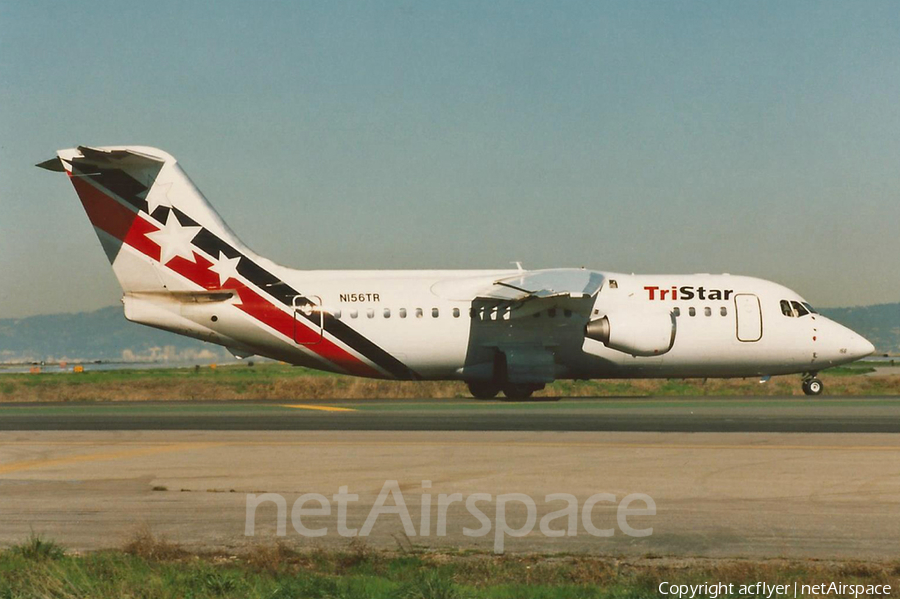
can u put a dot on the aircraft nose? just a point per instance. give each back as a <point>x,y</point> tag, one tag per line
<point>859,347</point>
<point>843,345</point>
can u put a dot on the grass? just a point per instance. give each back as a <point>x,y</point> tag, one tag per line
<point>274,571</point>
<point>282,382</point>
<point>37,549</point>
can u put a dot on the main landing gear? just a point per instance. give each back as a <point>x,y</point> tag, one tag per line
<point>812,385</point>
<point>515,392</point>
<point>480,390</point>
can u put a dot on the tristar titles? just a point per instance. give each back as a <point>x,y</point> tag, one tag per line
<point>687,292</point>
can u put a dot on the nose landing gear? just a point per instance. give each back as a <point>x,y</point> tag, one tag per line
<point>812,385</point>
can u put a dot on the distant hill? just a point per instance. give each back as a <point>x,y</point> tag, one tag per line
<point>105,335</point>
<point>879,324</point>
<point>100,335</point>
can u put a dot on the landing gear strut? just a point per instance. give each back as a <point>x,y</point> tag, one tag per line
<point>812,385</point>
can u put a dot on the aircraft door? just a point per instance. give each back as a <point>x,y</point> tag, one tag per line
<point>308,311</point>
<point>749,317</point>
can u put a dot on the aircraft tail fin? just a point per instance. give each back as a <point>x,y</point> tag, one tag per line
<point>140,197</point>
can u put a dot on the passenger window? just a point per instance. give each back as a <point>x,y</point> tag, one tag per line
<point>799,310</point>
<point>692,311</point>
<point>537,314</point>
<point>370,313</point>
<point>435,313</point>
<point>676,312</point>
<point>567,313</point>
<point>401,312</point>
<point>455,312</point>
<point>551,313</point>
<point>419,312</point>
<point>387,312</point>
<point>786,308</point>
<point>353,313</point>
<point>336,314</point>
<point>707,311</point>
<point>723,311</point>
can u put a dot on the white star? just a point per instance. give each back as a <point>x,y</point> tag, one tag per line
<point>158,196</point>
<point>174,240</point>
<point>226,268</point>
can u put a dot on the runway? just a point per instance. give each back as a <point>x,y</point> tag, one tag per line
<point>90,475</point>
<point>683,414</point>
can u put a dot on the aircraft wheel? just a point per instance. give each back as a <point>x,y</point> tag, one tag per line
<point>518,392</point>
<point>483,390</point>
<point>813,386</point>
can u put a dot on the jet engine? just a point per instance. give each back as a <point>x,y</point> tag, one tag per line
<point>635,332</point>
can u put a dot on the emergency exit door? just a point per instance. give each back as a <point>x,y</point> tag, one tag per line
<point>749,317</point>
<point>309,319</point>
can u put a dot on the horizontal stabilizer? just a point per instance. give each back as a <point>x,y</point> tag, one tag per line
<point>55,164</point>
<point>119,158</point>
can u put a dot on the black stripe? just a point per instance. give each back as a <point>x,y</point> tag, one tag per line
<point>285,294</point>
<point>161,214</point>
<point>366,347</point>
<point>115,180</point>
<point>131,191</point>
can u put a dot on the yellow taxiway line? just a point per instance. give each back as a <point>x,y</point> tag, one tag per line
<point>303,406</point>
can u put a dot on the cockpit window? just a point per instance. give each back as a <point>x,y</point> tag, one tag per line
<point>786,308</point>
<point>795,309</point>
<point>799,309</point>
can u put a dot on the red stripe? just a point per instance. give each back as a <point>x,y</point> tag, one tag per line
<point>263,311</point>
<point>105,213</point>
<point>117,220</point>
<point>137,238</point>
<point>197,271</point>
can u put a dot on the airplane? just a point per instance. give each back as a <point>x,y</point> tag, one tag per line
<point>182,269</point>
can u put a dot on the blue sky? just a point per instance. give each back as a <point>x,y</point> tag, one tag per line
<point>755,138</point>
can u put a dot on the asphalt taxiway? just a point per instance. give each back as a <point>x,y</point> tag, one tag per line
<point>684,414</point>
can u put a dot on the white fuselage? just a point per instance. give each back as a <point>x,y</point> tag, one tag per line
<point>425,320</point>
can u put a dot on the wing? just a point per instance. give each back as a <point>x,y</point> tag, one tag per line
<point>525,293</point>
